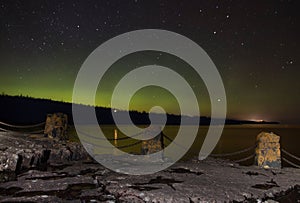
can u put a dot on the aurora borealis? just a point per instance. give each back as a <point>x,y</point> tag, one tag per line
<point>254,45</point>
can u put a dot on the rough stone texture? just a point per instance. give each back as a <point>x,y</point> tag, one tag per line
<point>152,144</point>
<point>23,152</point>
<point>268,150</point>
<point>56,126</point>
<point>211,180</point>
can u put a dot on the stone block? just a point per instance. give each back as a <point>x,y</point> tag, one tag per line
<point>153,144</point>
<point>268,150</point>
<point>56,126</point>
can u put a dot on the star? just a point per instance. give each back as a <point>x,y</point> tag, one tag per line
<point>60,37</point>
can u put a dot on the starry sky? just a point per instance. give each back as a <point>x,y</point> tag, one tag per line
<point>254,45</point>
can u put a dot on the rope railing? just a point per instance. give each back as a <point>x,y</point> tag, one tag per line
<point>289,154</point>
<point>109,139</point>
<point>4,130</point>
<point>171,140</point>
<point>129,145</point>
<point>291,163</point>
<point>245,159</point>
<point>224,154</point>
<point>27,129</point>
<point>234,153</point>
<point>22,126</point>
<point>114,146</point>
<point>27,132</point>
<point>220,155</point>
<point>286,153</point>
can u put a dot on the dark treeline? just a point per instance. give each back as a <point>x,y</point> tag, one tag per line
<point>26,110</point>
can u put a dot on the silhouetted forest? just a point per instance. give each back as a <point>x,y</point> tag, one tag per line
<point>26,110</point>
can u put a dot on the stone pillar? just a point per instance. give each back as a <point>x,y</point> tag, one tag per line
<point>268,150</point>
<point>153,144</point>
<point>56,126</point>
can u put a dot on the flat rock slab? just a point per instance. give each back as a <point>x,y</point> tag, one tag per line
<point>69,180</point>
<point>211,180</point>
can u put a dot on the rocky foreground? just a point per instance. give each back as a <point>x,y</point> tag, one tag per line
<point>36,169</point>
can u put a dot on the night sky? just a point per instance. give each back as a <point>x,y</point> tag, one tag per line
<point>254,45</point>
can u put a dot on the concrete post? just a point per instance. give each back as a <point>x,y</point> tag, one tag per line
<point>268,150</point>
<point>56,126</point>
<point>154,144</point>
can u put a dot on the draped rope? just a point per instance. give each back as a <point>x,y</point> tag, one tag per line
<point>291,155</point>
<point>171,140</point>
<point>291,163</point>
<point>245,159</point>
<point>234,153</point>
<point>113,146</point>
<point>109,139</point>
<point>22,126</point>
<point>129,145</point>
<point>224,154</point>
<point>29,132</point>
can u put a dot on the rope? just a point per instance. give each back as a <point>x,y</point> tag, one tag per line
<point>109,139</point>
<point>233,153</point>
<point>22,126</point>
<point>35,132</point>
<point>168,138</point>
<point>291,155</point>
<point>291,163</point>
<point>30,132</point>
<point>119,147</point>
<point>2,129</point>
<point>130,145</point>
<point>245,159</point>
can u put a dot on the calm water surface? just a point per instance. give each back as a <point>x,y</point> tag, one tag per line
<point>234,138</point>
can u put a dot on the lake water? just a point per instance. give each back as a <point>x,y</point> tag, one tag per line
<point>234,138</point>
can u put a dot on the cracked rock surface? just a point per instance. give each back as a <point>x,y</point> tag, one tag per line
<point>76,178</point>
